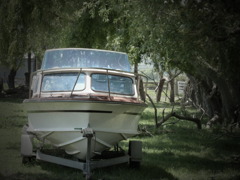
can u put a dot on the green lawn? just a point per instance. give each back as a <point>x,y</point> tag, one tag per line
<point>175,151</point>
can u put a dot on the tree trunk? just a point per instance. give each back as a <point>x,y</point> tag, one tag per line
<point>224,101</point>
<point>166,93</point>
<point>142,91</point>
<point>221,99</point>
<point>29,62</point>
<point>205,96</point>
<point>135,67</point>
<point>172,92</point>
<point>1,85</point>
<point>160,89</point>
<point>34,64</point>
<point>229,103</point>
<point>28,74</point>
<point>11,78</point>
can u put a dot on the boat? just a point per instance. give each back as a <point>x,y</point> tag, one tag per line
<point>79,89</point>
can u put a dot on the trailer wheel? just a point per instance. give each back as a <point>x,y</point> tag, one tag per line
<point>28,160</point>
<point>135,153</point>
<point>134,164</point>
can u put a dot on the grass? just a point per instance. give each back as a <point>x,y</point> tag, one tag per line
<point>176,151</point>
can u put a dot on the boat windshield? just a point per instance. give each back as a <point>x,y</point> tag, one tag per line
<point>66,82</point>
<point>117,84</point>
<point>85,58</point>
<point>63,82</point>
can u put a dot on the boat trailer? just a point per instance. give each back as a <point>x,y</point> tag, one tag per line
<point>133,157</point>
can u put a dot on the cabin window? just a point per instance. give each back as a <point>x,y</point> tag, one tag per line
<point>63,82</point>
<point>117,84</point>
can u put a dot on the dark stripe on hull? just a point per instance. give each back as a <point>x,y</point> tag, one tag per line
<point>132,113</point>
<point>81,111</point>
<point>82,101</point>
<point>70,111</point>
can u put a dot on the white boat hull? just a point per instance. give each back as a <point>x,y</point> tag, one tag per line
<point>61,122</point>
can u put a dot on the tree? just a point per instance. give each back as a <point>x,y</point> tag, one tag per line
<point>213,55</point>
<point>201,39</point>
<point>106,24</point>
<point>13,33</point>
<point>30,26</point>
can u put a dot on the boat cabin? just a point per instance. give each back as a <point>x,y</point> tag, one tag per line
<point>83,72</point>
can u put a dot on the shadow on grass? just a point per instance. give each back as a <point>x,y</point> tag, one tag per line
<point>191,149</point>
<point>117,172</point>
<point>49,172</point>
<point>12,121</point>
<point>12,100</point>
<point>28,176</point>
<point>145,172</point>
<point>187,139</point>
<point>192,163</point>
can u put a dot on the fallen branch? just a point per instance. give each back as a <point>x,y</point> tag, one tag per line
<point>195,120</point>
<point>212,121</point>
<point>198,107</point>
<point>144,131</point>
<point>165,118</point>
<point>173,114</point>
<point>172,122</point>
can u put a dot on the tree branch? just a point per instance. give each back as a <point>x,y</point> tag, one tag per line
<point>212,121</point>
<point>149,77</point>
<point>165,118</point>
<point>174,76</point>
<point>195,120</point>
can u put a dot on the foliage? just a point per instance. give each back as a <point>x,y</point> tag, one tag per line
<point>210,35</point>
<point>29,26</point>
<point>13,32</point>
<point>202,39</point>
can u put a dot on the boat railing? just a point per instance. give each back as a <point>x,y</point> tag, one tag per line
<point>75,82</point>
<point>109,92</point>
